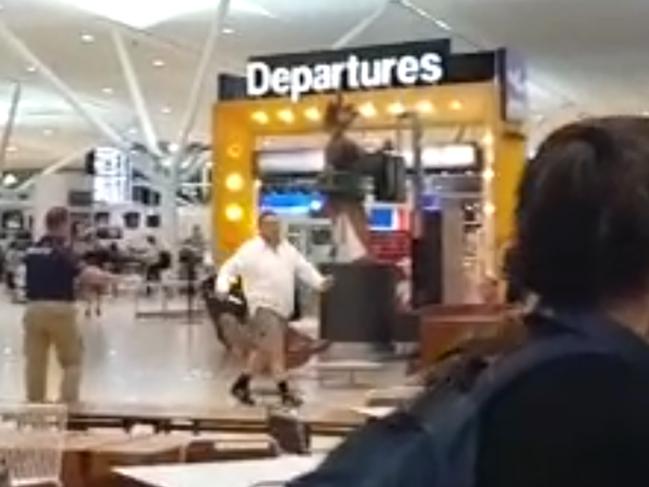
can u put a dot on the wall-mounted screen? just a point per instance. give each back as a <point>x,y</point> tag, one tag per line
<point>112,178</point>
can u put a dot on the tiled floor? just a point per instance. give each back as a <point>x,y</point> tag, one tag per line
<point>153,362</point>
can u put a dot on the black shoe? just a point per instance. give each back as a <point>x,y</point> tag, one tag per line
<point>291,400</point>
<point>242,394</point>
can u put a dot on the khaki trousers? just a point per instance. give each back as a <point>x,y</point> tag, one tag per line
<point>52,323</point>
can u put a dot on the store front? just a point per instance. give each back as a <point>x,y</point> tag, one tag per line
<point>269,149</point>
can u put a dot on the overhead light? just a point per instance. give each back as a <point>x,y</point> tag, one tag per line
<point>489,208</point>
<point>48,132</point>
<point>260,117</point>
<point>9,180</point>
<point>173,147</point>
<point>158,63</point>
<point>286,115</point>
<point>12,148</point>
<point>456,105</point>
<point>425,107</point>
<point>107,91</point>
<point>234,182</point>
<point>645,113</point>
<point>87,38</point>
<point>141,15</point>
<point>367,110</point>
<point>165,110</point>
<point>234,212</point>
<point>228,30</point>
<point>31,68</point>
<point>396,108</point>
<point>133,131</point>
<point>313,114</point>
<point>488,174</point>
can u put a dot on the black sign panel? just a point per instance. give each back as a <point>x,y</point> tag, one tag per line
<point>455,68</point>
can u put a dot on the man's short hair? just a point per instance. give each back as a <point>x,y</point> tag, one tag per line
<point>56,217</point>
<point>266,214</point>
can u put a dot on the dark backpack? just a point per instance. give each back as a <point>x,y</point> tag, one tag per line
<point>434,441</point>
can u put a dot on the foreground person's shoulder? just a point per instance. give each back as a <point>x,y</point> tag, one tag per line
<point>570,422</point>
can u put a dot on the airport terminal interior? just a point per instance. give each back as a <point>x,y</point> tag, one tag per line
<point>150,146</point>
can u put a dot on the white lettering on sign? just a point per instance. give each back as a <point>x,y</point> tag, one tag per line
<point>354,74</point>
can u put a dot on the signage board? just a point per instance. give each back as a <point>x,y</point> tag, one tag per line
<point>364,68</point>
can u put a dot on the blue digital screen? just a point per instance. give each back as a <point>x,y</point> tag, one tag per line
<point>292,202</point>
<point>382,219</point>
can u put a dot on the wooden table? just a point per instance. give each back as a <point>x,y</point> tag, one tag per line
<point>439,332</point>
<point>226,474</point>
<point>179,418</point>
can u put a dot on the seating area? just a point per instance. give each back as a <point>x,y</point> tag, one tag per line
<point>111,435</point>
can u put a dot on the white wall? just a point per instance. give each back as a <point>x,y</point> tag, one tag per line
<point>52,190</point>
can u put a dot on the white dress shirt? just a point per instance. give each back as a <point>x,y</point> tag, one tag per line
<point>268,275</point>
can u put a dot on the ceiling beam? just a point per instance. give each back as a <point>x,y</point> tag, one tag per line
<point>9,127</point>
<point>200,76</point>
<point>135,91</point>
<point>13,41</point>
<point>52,168</point>
<point>361,26</point>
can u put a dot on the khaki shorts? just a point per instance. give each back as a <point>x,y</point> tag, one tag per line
<point>268,331</point>
<point>236,335</point>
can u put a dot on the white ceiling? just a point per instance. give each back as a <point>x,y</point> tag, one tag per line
<point>586,56</point>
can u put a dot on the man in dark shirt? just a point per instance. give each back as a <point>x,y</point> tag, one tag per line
<point>50,317</point>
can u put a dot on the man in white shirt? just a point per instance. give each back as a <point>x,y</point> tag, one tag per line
<point>268,266</point>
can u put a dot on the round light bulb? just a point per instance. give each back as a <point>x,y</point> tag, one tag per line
<point>234,212</point>
<point>313,114</point>
<point>367,110</point>
<point>456,105</point>
<point>286,115</point>
<point>396,108</point>
<point>234,182</point>
<point>260,117</point>
<point>425,107</point>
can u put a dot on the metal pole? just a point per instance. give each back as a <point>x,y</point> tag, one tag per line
<point>170,211</point>
<point>420,12</point>
<point>9,127</point>
<point>26,53</point>
<point>418,179</point>
<point>359,28</point>
<point>135,91</point>
<point>200,76</point>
